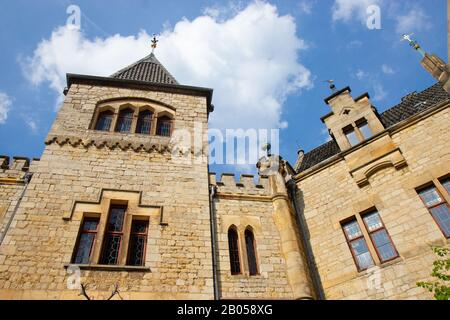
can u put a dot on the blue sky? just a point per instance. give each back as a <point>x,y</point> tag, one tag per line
<point>294,45</point>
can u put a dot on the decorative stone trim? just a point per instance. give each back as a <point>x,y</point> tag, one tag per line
<point>102,267</point>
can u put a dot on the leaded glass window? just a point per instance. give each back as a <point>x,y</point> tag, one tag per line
<point>104,121</point>
<point>233,246</point>
<point>251,252</point>
<point>124,120</point>
<point>144,123</point>
<point>437,206</point>
<point>164,126</point>
<point>86,241</point>
<point>380,238</point>
<point>114,235</point>
<point>358,245</point>
<point>138,242</point>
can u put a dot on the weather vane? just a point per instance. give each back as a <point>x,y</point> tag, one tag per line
<point>414,44</point>
<point>154,42</point>
<point>332,86</point>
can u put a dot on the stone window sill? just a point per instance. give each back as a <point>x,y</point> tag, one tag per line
<point>102,267</point>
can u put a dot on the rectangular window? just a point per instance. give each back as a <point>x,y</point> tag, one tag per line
<point>437,206</point>
<point>138,243</point>
<point>351,136</point>
<point>86,240</point>
<point>363,126</point>
<point>380,237</point>
<point>113,235</point>
<point>358,245</point>
<point>446,184</point>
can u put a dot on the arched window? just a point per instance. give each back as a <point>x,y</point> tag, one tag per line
<point>124,121</point>
<point>251,252</point>
<point>233,246</point>
<point>104,120</point>
<point>164,126</point>
<point>144,123</point>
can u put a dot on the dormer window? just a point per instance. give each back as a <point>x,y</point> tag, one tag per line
<point>104,120</point>
<point>350,133</point>
<point>364,128</point>
<point>124,121</point>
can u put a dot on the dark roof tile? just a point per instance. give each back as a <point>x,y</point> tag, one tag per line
<point>148,69</point>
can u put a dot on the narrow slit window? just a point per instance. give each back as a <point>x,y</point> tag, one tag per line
<point>251,252</point>
<point>138,243</point>
<point>86,240</point>
<point>233,247</point>
<point>358,245</point>
<point>144,123</point>
<point>380,237</point>
<point>125,120</point>
<point>104,121</point>
<point>113,235</point>
<point>438,207</point>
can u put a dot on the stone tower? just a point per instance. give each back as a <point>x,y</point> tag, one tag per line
<point>110,199</point>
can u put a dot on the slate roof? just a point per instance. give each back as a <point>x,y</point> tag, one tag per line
<point>410,105</point>
<point>148,69</point>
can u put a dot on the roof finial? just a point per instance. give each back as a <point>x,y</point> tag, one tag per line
<point>332,86</point>
<point>154,42</point>
<point>413,43</point>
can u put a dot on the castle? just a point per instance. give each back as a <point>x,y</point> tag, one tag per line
<point>106,206</point>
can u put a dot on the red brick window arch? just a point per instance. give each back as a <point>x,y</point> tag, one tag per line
<point>233,247</point>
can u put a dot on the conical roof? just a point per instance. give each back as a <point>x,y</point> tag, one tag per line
<point>148,69</point>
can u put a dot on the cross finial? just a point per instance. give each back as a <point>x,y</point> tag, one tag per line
<point>414,44</point>
<point>154,42</point>
<point>332,85</point>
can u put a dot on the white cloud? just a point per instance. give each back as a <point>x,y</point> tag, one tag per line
<point>413,21</point>
<point>249,58</point>
<point>361,74</point>
<point>387,69</point>
<point>379,91</point>
<point>306,6</point>
<point>347,10</point>
<point>5,105</point>
<point>31,122</point>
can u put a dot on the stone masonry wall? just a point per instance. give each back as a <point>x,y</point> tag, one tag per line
<point>41,242</point>
<point>331,195</point>
<point>242,204</point>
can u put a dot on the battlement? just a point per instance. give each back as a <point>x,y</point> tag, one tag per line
<point>245,185</point>
<point>16,168</point>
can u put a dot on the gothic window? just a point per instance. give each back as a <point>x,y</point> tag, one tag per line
<point>144,122</point>
<point>86,240</point>
<point>437,206</point>
<point>164,126</point>
<point>124,120</point>
<point>104,120</point>
<point>380,237</point>
<point>233,246</point>
<point>358,245</point>
<point>113,235</point>
<point>138,243</point>
<point>251,252</point>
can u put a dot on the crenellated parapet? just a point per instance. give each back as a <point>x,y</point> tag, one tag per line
<point>13,171</point>
<point>246,185</point>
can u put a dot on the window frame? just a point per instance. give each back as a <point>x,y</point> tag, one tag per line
<point>144,234</point>
<point>443,201</point>
<point>139,121</point>
<point>255,254</point>
<point>348,130</point>
<point>161,121</point>
<point>364,123</point>
<point>99,117</point>
<point>238,251</point>
<point>81,232</point>
<point>122,119</point>
<point>355,260</point>
<point>383,227</point>
<point>114,233</point>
